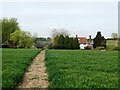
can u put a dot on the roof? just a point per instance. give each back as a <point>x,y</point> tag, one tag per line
<point>83,40</point>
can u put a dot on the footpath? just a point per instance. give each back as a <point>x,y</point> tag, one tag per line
<point>36,76</point>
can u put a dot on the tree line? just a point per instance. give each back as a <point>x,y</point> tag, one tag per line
<point>64,42</point>
<point>14,37</point>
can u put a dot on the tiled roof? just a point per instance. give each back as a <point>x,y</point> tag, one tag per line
<point>83,40</point>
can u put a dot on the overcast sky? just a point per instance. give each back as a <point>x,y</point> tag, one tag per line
<point>79,18</point>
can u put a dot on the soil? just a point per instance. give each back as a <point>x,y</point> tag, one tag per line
<point>36,75</point>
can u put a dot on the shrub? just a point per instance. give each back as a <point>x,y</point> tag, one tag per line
<point>88,48</point>
<point>99,40</point>
<point>116,48</point>
<point>99,48</point>
<point>50,46</point>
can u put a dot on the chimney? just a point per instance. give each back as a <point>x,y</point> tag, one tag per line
<point>90,38</point>
<point>76,36</point>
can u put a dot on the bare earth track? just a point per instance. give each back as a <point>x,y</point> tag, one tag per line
<point>36,76</point>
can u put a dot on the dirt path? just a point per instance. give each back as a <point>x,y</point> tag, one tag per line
<point>36,76</point>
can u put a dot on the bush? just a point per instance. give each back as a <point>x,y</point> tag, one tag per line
<point>88,48</point>
<point>99,48</point>
<point>116,48</point>
<point>50,46</point>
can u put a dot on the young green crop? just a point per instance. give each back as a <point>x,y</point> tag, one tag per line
<point>82,69</point>
<point>14,65</point>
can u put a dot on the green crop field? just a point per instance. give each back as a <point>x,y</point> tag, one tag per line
<point>112,42</point>
<point>82,69</point>
<point>14,65</point>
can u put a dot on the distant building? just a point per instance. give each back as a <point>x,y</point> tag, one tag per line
<point>84,42</point>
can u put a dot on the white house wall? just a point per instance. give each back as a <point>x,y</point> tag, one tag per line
<point>82,46</point>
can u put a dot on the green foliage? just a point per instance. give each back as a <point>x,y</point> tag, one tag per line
<point>14,64</point>
<point>99,48</point>
<point>75,43</point>
<point>70,44</point>
<point>112,42</point>
<point>55,44</point>
<point>111,47</point>
<point>61,42</point>
<point>99,40</point>
<point>50,46</point>
<point>15,37</point>
<point>8,27</point>
<point>64,42</point>
<point>88,48</point>
<point>116,48</point>
<point>21,39</point>
<point>82,69</point>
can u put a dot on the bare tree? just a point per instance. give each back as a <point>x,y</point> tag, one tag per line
<point>57,31</point>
